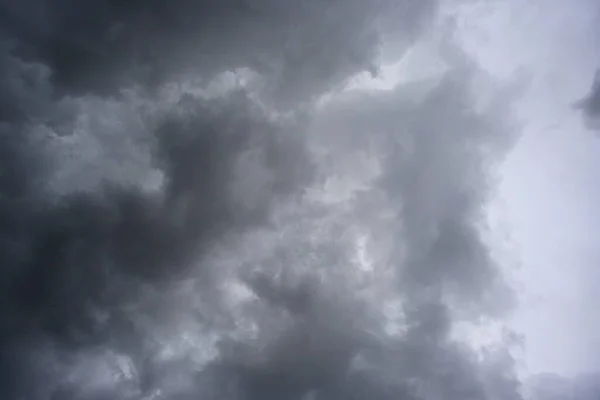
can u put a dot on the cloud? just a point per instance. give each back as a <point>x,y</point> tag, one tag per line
<point>304,48</point>
<point>590,104</point>
<point>170,233</point>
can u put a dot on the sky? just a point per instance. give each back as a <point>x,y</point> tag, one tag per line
<point>548,192</point>
<point>542,214</point>
<point>318,200</point>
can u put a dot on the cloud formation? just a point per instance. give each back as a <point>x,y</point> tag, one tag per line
<point>303,47</point>
<point>192,208</point>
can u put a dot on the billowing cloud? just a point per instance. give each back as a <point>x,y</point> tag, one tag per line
<point>304,47</point>
<point>192,207</point>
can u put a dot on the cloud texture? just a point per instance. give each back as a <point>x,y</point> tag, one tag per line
<point>192,207</point>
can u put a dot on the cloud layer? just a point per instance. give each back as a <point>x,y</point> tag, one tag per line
<point>192,207</point>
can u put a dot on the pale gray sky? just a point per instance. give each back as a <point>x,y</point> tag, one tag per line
<point>549,190</point>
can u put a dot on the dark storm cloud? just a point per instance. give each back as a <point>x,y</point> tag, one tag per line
<point>70,266</point>
<point>304,47</point>
<point>234,275</point>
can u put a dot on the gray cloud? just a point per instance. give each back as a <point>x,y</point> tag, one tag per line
<point>590,104</point>
<point>304,48</point>
<point>164,236</point>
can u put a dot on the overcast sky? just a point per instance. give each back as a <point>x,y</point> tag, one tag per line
<point>317,200</point>
<point>548,195</point>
